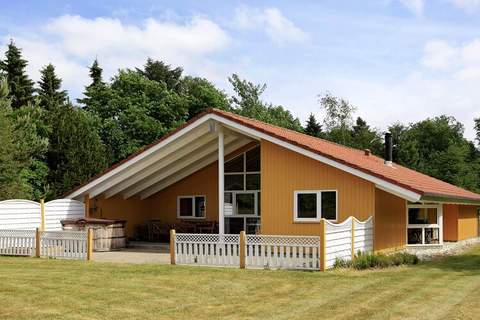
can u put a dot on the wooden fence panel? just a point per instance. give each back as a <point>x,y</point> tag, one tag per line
<point>338,241</point>
<point>17,242</point>
<point>19,215</point>
<point>283,252</point>
<point>64,244</point>
<point>62,209</point>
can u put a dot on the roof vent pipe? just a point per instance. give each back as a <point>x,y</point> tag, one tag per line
<point>388,149</point>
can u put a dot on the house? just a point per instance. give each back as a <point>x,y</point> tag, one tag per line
<point>271,180</point>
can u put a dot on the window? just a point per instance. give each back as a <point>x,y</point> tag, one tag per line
<point>242,192</point>
<point>314,205</point>
<point>191,207</point>
<point>424,224</point>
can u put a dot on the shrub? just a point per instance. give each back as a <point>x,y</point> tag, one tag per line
<point>364,261</point>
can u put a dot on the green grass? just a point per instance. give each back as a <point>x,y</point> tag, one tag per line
<point>46,289</point>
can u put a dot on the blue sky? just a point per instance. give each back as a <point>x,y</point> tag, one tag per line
<point>396,60</point>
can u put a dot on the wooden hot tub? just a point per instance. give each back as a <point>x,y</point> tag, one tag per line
<point>107,234</point>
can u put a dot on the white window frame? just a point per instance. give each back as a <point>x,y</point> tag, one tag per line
<point>234,201</point>
<point>438,225</point>
<point>319,217</point>
<point>192,216</point>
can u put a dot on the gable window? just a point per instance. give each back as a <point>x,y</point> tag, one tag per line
<point>311,206</point>
<point>191,207</point>
<point>242,192</point>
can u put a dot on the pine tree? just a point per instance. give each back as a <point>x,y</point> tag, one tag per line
<point>49,91</point>
<point>10,176</point>
<point>13,67</point>
<point>96,73</point>
<point>96,93</point>
<point>312,127</point>
<point>162,72</point>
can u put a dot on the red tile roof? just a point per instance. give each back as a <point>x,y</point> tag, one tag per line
<point>373,165</point>
<point>354,158</point>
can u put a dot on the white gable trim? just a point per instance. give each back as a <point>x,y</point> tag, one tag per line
<point>379,183</point>
<point>84,189</point>
<point>253,133</point>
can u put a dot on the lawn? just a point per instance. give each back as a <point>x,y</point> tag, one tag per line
<point>46,289</point>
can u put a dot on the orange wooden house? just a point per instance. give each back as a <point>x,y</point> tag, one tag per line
<point>271,180</point>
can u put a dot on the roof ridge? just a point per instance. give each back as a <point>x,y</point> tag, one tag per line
<point>290,130</point>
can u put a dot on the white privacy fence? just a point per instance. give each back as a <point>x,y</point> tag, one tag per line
<point>48,244</point>
<point>344,240</point>
<point>27,215</point>
<point>336,241</point>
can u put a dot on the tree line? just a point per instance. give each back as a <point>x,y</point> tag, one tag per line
<point>50,144</point>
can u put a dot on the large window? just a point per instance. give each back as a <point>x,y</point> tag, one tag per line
<point>191,207</point>
<point>242,192</point>
<point>315,205</point>
<point>424,224</point>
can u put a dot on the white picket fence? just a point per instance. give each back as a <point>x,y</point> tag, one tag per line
<point>342,240</point>
<point>338,239</point>
<point>261,251</point>
<point>26,215</point>
<point>64,244</point>
<point>17,242</point>
<point>283,252</point>
<point>53,244</point>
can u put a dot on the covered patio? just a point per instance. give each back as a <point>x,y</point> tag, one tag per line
<point>202,178</point>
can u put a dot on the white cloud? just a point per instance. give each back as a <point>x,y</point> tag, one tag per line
<point>467,5</point>
<point>415,6</point>
<point>72,42</point>
<point>461,61</point>
<point>277,27</point>
<point>439,55</point>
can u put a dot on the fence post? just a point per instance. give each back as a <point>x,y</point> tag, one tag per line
<point>89,244</point>
<point>353,238</point>
<point>242,251</point>
<point>42,214</point>
<point>37,243</point>
<point>172,246</point>
<point>86,201</point>
<point>323,240</point>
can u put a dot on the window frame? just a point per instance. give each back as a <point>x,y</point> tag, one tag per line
<point>192,216</point>
<point>438,225</point>
<point>319,216</point>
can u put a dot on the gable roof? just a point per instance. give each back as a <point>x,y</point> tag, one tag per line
<point>421,186</point>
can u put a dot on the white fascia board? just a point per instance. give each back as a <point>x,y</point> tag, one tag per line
<point>380,183</point>
<point>140,156</point>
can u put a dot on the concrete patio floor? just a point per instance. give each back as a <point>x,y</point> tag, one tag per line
<point>137,252</point>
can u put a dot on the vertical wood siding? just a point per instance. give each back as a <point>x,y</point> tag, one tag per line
<point>450,222</point>
<point>284,171</point>
<point>390,221</point>
<point>163,205</point>
<point>134,210</point>
<point>467,222</point>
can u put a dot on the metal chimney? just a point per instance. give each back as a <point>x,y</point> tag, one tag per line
<point>388,149</point>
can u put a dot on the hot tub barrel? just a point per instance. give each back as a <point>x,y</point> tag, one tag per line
<point>108,234</point>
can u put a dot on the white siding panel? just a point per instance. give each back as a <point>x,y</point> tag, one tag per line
<point>19,215</point>
<point>62,209</point>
